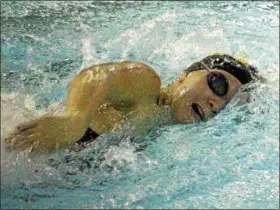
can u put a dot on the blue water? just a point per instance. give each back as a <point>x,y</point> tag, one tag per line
<point>229,161</point>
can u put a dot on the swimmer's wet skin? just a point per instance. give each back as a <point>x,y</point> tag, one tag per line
<point>103,97</point>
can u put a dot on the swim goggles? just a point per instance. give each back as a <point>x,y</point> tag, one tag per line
<point>218,83</point>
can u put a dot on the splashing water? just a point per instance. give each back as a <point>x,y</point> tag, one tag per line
<point>230,161</point>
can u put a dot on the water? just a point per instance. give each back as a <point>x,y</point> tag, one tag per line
<point>230,161</point>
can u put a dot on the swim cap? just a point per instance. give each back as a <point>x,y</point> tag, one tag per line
<point>245,73</point>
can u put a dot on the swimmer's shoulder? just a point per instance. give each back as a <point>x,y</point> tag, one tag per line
<point>135,64</point>
<point>139,66</point>
<point>124,66</point>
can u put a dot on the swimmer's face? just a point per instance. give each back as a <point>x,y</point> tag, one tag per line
<point>201,94</point>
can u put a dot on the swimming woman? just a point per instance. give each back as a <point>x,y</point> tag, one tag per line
<point>103,97</point>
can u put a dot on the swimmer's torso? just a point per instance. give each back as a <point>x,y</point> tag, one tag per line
<point>134,87</point>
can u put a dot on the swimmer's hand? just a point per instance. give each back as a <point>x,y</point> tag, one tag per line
<point>46,134</point>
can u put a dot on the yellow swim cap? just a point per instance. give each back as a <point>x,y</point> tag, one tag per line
<point>242,57</point>
<point>215,53</point>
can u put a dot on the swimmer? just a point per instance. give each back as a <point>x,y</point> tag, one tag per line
<point>103,97</point>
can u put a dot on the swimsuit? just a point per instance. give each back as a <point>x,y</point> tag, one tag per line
<point>89,136</point>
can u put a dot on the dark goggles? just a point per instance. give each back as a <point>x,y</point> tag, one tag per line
<point>217,83</point>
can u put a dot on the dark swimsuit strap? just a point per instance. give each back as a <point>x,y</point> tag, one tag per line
<point>89,136</point>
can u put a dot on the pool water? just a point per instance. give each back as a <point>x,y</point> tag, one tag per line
<point>229,161</point>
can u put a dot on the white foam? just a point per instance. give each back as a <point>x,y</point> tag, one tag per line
<point>87,50</point>
<point>129,38</point>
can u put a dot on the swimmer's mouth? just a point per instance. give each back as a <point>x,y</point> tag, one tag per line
<point>198,110</point>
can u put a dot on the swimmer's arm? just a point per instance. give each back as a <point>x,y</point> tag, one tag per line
<point>48,133</point>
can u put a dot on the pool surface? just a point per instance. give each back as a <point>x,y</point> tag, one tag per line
<point>229,161</point>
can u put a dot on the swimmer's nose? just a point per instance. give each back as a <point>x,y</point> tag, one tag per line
<point>215,107</point>
<point>212,108</point>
